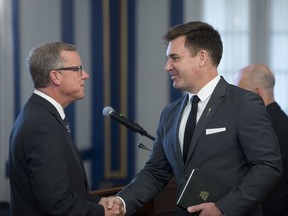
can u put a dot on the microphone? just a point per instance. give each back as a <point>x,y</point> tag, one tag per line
<point>110,112</point>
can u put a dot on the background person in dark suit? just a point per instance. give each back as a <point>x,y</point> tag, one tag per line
<point>260,79</point>
<point>233,141</point>
<point>47,176</point>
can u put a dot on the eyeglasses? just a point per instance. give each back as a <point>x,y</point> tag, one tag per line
<point>74,68</point>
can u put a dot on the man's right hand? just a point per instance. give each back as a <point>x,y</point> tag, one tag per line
<point>113,206</point>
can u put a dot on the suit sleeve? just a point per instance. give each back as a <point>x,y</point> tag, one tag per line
<point>259,144</point>
<point>49,160</point>
<point>149,181</point>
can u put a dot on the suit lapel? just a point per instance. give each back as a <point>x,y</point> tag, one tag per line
<point>50,108</point>
<point>177,147</point>
<point>210,109</point>
<point>75,150</point>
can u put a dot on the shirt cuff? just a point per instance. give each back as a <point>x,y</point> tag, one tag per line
<point>124,204</point>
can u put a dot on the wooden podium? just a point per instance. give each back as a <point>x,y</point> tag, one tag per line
<point>162,205</point>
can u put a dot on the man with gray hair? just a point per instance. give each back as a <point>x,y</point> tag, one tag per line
<point>47,175</point>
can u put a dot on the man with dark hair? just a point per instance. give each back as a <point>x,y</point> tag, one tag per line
<point>233,141</point>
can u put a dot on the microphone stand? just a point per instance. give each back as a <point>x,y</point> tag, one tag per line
<point>148,135</point>
<point>143,133</point>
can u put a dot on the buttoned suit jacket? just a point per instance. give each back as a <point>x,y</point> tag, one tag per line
<point>47,175</point>
<point>242,152</point>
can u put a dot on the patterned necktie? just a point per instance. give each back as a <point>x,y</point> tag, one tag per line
<point>67,124</point>
<point>190,126</point>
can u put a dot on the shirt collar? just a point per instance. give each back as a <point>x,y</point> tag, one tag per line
<point>207,90</point>
<point>52,101</point>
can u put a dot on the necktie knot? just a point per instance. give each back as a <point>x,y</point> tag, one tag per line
<point>195,99</point>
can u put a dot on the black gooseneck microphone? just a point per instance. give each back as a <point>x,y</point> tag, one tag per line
<point>110,112</point>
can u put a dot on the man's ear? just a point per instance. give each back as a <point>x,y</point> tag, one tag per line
<point>55,77</point>
<point>203,55</point>
<point>259,91</point>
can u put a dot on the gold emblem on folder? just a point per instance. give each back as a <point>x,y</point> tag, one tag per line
<point>204,195</point>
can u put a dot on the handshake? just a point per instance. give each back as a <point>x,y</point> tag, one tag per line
<point>113,206</point>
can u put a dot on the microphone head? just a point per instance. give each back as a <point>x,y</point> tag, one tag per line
<point>107,111</point>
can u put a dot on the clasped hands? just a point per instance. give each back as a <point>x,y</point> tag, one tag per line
<point>113,206</point>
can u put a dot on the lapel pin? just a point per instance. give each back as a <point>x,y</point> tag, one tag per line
<point>208,111</point>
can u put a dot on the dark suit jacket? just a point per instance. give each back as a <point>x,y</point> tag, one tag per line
<point>276,203</point>
<point>244,156</point>
<point>47,176</point>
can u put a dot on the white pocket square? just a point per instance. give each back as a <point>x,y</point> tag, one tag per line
<point>215,130</point>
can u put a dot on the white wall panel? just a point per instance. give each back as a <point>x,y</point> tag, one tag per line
<point>6,93</point>
<point>40,21</point>
<point>152,82</point>
<point>83,109</point>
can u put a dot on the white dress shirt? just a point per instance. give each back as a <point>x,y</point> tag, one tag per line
<point>53,102</point>
<point>204,95</point>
